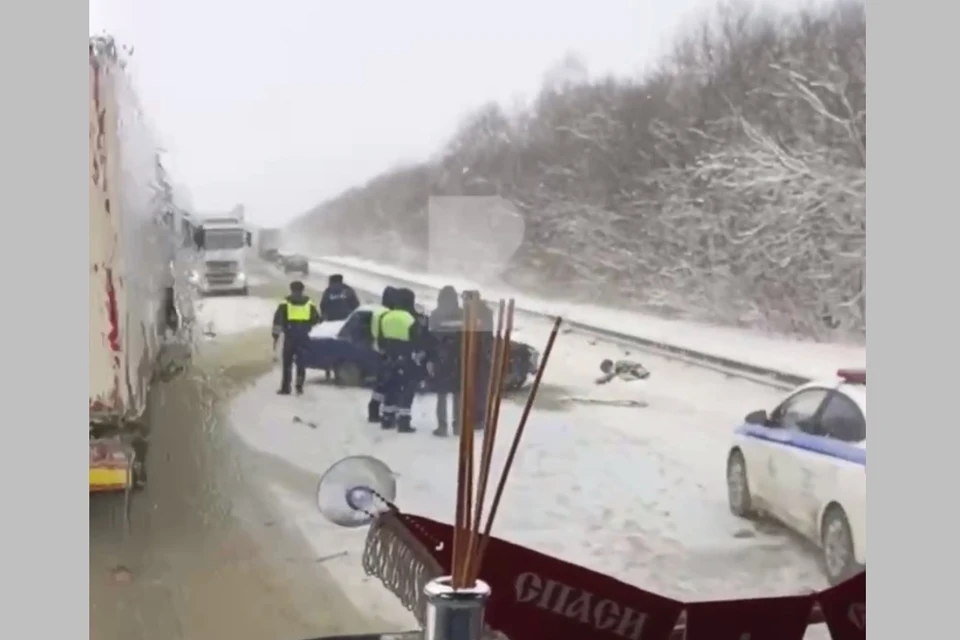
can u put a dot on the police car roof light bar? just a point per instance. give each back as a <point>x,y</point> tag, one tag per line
<point>853,376</point>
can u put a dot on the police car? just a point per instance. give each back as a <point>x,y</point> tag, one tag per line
<point>805,464</point>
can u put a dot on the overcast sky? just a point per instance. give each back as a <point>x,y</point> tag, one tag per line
<point>281,104</point>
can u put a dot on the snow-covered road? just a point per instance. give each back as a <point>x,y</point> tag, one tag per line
<point>637,493</point>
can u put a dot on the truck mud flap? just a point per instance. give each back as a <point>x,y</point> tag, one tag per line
<point>111,466</point>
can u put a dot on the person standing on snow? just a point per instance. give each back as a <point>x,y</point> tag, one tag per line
<point>338,300</point>
<point>376,399</point>
<point>446,328</point>
<point>402,340</point>
<point>293,319</point>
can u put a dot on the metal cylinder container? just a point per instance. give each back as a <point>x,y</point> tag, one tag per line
<point>455,614</point>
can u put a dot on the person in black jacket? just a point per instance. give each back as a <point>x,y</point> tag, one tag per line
<point>294,318</point>
<point>446,326</point>
<point>338,300</point>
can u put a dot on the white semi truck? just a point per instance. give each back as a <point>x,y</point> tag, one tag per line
<point>223,242</point>
<point>140,302</point>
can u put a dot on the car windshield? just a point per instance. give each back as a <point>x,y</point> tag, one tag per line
<point>685,183</point>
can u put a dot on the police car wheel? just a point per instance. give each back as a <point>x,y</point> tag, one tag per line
<point>839,560</point>
<point>738,486</point>
<point>347,374</point>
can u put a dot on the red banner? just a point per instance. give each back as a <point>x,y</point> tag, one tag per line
<point>537,596</point>
<point>758,619</point>
<point>845,609</point>
<point>542,597</point>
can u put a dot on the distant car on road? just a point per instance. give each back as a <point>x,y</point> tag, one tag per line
<point>805,464</point>
<point>296,264</point>
<point>345,348</point>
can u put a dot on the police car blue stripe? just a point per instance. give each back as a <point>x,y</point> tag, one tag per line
<point>806,442</point>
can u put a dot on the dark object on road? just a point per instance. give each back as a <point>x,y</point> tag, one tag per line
<point>121,575</point>
<point>296,264</point>
<point>626,370</point>
<point>346,348</point>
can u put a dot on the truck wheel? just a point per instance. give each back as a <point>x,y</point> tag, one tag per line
<point>347,374</point>
<point>839,561</point>
<point>738,486</point>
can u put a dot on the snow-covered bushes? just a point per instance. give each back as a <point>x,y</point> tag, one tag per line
<point>727,185</point>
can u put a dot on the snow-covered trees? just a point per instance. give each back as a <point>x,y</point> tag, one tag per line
<point>726,185</point>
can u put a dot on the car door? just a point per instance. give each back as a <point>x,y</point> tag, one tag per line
<point>356,328</point>
<point>785,463</point>
<point>356,341</point>
<point>838,474</point>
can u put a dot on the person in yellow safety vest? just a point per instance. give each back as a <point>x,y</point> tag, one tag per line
<point>376,399</point>
<point>294,318</point>
<point>401,340</point>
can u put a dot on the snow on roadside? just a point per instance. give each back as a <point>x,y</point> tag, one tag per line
<point>223,315</point>
<point>808,359</point>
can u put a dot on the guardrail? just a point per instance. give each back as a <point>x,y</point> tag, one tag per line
<point>728,366</point>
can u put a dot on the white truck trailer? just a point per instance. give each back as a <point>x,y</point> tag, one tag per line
<point>138,290</point>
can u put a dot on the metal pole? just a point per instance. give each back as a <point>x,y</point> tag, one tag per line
<point>455,614</point>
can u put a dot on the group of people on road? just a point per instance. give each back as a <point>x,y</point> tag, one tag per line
<point>411,346</point>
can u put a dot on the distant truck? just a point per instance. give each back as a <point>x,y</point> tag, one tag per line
<point>140,302</point>
<point>223,243</point>
<point>268,244</point>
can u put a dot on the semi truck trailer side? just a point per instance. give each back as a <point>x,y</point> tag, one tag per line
<point>138,296</point>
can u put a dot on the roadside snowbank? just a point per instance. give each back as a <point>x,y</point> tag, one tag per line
<point>218,316</point>
<point>808,359</point>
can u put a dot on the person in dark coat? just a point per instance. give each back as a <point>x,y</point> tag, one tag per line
<point>338,300</point>
<point>446,327</point>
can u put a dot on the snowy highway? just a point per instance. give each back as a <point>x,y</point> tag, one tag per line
<point>626,478</point>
